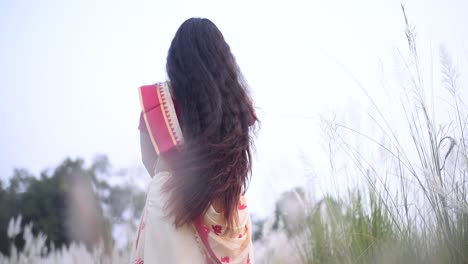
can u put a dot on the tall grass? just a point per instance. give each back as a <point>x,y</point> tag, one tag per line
<point>421,214</point>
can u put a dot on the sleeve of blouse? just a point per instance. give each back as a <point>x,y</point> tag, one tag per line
<point>148,154</point>
<point>142,124</point>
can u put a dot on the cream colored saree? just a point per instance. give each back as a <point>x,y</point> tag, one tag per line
<point>207,239</point>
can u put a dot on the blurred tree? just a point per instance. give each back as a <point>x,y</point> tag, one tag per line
<point>64,205</point>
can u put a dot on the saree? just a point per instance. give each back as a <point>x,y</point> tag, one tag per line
<point>208,239</point>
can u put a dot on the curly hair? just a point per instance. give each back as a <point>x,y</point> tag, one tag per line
<point>216,116</point>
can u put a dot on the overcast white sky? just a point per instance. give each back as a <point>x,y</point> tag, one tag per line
<point>69,72</point>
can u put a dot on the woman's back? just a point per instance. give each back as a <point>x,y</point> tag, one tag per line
<point>199,124</point>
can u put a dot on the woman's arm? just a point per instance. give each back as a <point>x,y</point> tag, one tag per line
<point>148,154</point>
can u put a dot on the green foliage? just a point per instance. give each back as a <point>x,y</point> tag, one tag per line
<point>348,234</point>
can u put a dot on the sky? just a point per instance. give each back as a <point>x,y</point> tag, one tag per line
<point>69,73</point>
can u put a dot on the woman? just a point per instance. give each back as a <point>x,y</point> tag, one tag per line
<point>196,144</point>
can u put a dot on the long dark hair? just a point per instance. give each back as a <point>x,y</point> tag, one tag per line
<point>216,115</point>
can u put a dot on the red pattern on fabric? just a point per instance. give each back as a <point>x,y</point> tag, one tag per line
<point>166,111</point>
<point>156,120</point>
<point>217,229</point>
<point>206,229</point>
<point>248,259</point>
<point>203,235</point>
<point>242,206</point>
<point>142,124</point>
<point>139,261</point>
<point>225,259</point>
<point>240,236</point>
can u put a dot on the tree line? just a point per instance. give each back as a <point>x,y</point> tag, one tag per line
<point>72,202</point>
